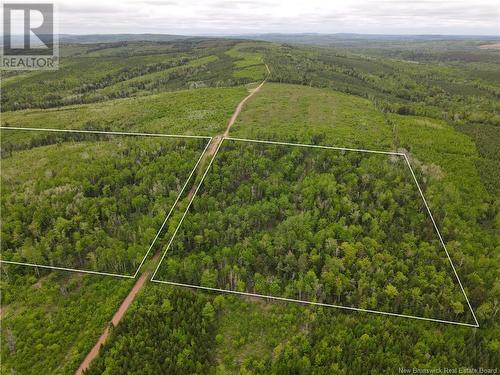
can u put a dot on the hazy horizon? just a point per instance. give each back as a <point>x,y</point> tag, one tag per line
<point>247,17</point>
<point>283,33</point>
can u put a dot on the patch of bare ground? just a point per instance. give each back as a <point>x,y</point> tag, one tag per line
<point>490,46</point>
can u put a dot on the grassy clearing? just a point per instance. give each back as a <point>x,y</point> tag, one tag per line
<point>249,330</point>
<point>292,113</point>
<point>193,112</point>
<point>248,63</point>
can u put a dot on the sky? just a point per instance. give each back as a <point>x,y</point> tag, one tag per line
<point>209,17</point>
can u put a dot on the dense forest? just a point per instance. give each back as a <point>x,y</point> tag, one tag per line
<point>50,319</point>
<point>402,87</point>
<point>326,226</point>
<point>88,201</point>
<point>94,73</point>
<point>345,228</point>
<point>259,337</point>
<point>451,81</point>
<point>166,332</point>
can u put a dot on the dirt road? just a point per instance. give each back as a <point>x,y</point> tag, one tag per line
<point>216,140</point>
<point>142,280</point>
<point>117,317</point>
<point>236,113</point>
<point>114,321</point>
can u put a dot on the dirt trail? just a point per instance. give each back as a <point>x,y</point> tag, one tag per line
<point>116,318</point>
<point>114,321</point>
<point>216,140</point>
<point>141,281</point>
<point>236,113</point>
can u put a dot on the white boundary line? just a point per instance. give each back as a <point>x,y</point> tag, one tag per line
<point>187,209</point>
<point>476,325</point>
<point>172,208</point>
<point>315,146</point>
<point>66,269</point>
<point>164,222</point>
<point>105,132</point>
<point>440,238</point>
<point>313,303</point>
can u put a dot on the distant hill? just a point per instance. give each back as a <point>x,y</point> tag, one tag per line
<point>365,40</point>
<point>340,39</point>
<point>110,38</point>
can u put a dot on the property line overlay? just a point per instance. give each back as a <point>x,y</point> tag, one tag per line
<point>403,155</point>
<point>164,221</point>
<point>172,208</point>
<point>106,132</point>
<point>315,146</point>
<point>187,209</point>
<point>441,239</point>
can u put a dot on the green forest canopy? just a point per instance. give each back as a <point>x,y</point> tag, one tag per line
<point>344,228</point>
<point>88,201</point>
<point>438,101</point>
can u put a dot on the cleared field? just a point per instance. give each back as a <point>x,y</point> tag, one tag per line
<point>193,112</point>
<point>247,63</point>
<point>303,114</point>
<point>490,46</point>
